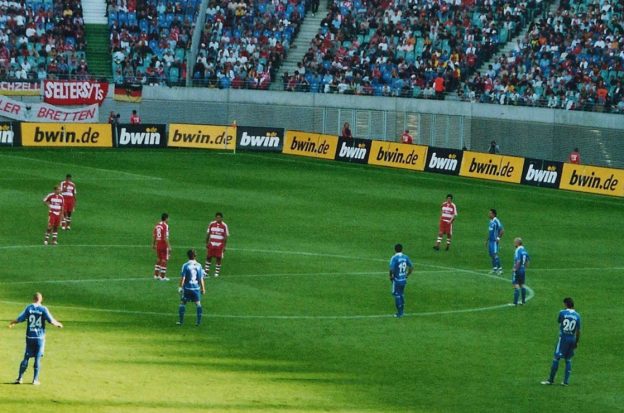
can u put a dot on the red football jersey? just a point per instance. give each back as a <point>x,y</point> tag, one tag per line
<point>55,203</point>
<point>449,212</point>
<point>161,234</point>
<point>217,233</point>
<point>68,189</point>
<point>135,119</point>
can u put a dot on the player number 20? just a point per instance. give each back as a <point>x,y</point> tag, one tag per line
<point>569,325</point>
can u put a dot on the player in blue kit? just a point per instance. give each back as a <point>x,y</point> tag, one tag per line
<point>36,316</point>
<point>495,233</point>
<point>400,268</point>
<point>192,286</point>
<point>521,260</point>
<point>569,335</point>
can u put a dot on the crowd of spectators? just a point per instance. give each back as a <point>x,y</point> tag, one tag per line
<point>420,48</point>
<point>42,40</point>
<point>572,59</point>
<point>149,39</point>
<point>244,42</point>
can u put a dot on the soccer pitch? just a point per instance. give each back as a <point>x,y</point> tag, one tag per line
<point>301,318</point>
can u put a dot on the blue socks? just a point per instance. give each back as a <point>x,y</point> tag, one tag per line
<point>517,295</point>
<point>523,291</point>
<point>36,367</point>
<point>555,366</point>
<point>23,367</point>
<point>200,310</point>
<point>568,370</point>
<point>399,302</point>
<point>553,370</point>
<point>181,311</point>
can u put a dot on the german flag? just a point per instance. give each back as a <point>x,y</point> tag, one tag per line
<point>128,92</point>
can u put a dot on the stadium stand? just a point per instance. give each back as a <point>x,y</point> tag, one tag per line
<point>406,48</point>
<point>243,43</point>
<point>42,39</point>
<point>572,59</point>
<point>150,39</point>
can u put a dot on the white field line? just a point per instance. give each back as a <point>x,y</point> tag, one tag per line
<point>530,295</point>
<point>112,172</point>
<point>234,276</point>
<point>310,254</point>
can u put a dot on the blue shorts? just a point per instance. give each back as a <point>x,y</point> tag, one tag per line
<point>565,348</point>
<point>518,278</point>
<point>493,248</point>
<point>398,287</point>
<point>34,347</point>
<point>191,295</point>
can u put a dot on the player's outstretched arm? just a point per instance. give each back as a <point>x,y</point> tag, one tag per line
<point>12,323</point>
<point>57,324</point>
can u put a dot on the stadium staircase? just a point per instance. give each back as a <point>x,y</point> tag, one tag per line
<point>300,46</point>
<point>98,48</point>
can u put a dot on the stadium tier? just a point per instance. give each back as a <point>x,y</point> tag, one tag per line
<point>406,48</point>
<point>243,45</point>
<point>42,39</point>
<point>571,59</point>
<point>150,40</point>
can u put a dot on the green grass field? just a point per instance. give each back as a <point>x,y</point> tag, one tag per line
<point>301,318</point>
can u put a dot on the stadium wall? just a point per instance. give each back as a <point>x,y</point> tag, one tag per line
<point>523,131</point>
<point>232,137</point>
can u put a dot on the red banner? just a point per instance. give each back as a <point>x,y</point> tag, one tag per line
<point>74,92</point>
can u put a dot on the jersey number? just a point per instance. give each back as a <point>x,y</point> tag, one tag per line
<point>193,280</point>
<point>569,325</point>
<point>34,322</point>
<point>158,233</point>
<point>403,268</point>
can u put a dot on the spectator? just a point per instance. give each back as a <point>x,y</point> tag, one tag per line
<point>494,148</point>
<point>438,86</point>
<point>346,131</point>
<point>575,157</point>
<point>406,137</point>
<point>113,118</point>
<point>135,119</point>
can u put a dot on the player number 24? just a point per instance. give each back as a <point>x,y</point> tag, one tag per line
<point>34,321</point>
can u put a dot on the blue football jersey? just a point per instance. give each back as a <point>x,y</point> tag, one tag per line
<point>569,323</point>
<point>494,229</point>
<point>36,316</point>
<point>399,264</point>
<point>193,273</point>
<point>521,257</point>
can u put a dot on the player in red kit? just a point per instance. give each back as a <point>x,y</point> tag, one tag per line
<point>160,242</point>
<point>575,157</point>
<point>406,137</point>
<point>449,212</point>
<point>68,190</point>
<point>55,202</point>
<point>135,119</point>
<point>216,238</point>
